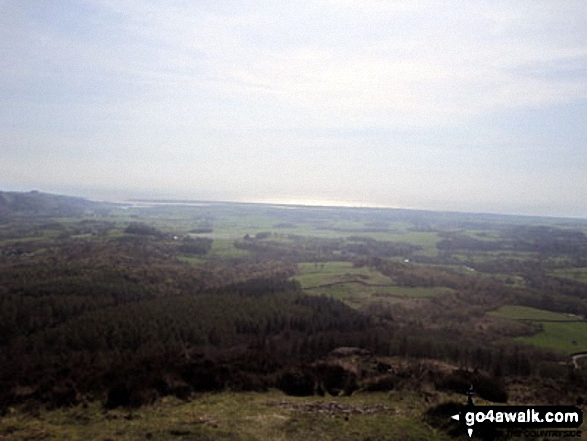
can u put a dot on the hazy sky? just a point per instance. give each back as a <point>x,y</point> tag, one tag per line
<point>446,105</point>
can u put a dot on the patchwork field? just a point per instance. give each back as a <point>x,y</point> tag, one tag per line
<point>357,287</point>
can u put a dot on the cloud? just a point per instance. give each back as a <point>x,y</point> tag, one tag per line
<point>324,63</point>
<point>432,99</point>
<point>351,64</point>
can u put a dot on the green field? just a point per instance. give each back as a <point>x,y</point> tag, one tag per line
<point>226,248</point>
<point>560,332</point>
<point>515,312</point>
<point>360,296</point>
<point>578,274</point>
<point>192,260</point>
<point>320,273</point>
<point>412,292</point>
<point>341,280</point>
<point>564,337</point>
<point>484,256</point>
<point>426,240</point>
<point>487,236</point>
<point>237,416</point>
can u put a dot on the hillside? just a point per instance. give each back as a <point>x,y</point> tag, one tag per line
<point>35,203</point>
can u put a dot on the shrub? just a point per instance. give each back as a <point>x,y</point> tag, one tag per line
<point>298,383</point>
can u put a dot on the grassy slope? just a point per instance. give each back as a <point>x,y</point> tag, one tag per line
<point>241,416</point>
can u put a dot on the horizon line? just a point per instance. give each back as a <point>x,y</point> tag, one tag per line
<point>333,204</point>
<point>284,203</point>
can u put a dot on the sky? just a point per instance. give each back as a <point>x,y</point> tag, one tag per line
<point>473,106</point>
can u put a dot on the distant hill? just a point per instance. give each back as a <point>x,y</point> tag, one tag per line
<point>35,203</point>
